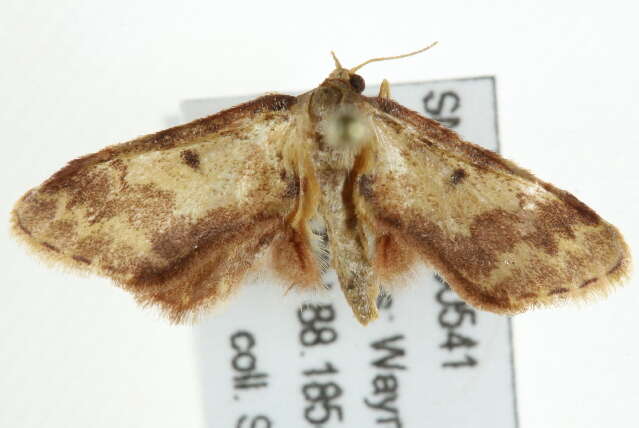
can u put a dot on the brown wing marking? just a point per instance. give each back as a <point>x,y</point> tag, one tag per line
<point>213,270</point>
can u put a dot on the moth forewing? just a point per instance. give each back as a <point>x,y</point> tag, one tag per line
<point>503,239</point>
<point>175,217</point>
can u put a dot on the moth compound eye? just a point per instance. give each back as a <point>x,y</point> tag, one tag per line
<point>357,83</point>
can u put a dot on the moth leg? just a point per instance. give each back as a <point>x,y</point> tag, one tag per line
<point>293,255</point>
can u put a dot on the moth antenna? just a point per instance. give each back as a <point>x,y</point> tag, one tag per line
<point>354,69</point>
<point>337,63</point>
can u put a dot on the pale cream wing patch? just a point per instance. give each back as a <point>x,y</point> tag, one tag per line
<point>176,217</point>
<point>504,240</point>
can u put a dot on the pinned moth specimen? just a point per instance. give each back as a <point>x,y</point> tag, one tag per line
<point>330,177</point>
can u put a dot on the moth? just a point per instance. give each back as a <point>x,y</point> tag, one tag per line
<point>330,178</point>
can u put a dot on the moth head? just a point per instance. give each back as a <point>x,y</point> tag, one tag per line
<point>353,80</point>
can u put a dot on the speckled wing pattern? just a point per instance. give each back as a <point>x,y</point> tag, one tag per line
<point>504,240</point>
<point>176,217</point>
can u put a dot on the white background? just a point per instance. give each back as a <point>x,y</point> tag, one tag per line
<point>76,76</point>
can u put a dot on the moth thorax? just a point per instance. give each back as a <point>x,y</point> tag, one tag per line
<point>345,130</point>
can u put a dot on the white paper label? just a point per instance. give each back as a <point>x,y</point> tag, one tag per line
<point>430,360</point>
